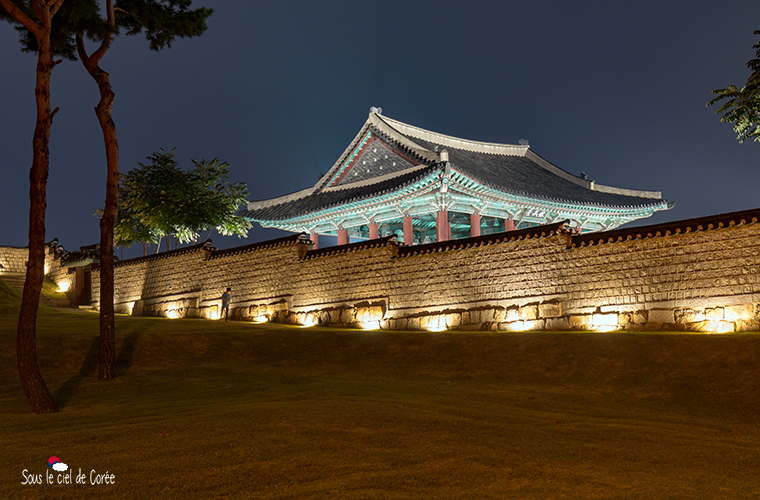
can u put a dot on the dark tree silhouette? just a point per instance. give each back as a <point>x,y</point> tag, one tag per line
<point>162,21</point>
<point>36,18</point>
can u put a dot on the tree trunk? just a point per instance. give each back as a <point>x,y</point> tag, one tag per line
<point>107,355</point>
<point>107,358</point>
<point>37,393</point>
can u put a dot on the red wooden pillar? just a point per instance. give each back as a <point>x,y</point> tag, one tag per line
<point>342,236</point>
<point>509,225</point>
<point>442,227</point>
<point>408,230</point>
<point>373,230</point>
<point>474,225</point>
<point>315,238</point>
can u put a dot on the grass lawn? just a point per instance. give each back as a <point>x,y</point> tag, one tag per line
<point>204,409</point>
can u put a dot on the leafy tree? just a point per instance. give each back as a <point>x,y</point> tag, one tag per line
<point>160,200</point>
<point>742,107</point>
<point>162,21</point>
<point>36,18</point>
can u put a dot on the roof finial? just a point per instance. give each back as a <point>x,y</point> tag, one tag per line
<point>524,142</point>
<point>377,111</point>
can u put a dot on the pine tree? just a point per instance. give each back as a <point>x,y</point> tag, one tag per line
<point>35,17</point>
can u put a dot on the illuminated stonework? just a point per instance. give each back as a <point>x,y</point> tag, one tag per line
<point>700,275</point>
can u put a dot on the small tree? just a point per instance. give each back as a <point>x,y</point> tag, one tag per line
<point>742,107</point>
<point>160,200</point>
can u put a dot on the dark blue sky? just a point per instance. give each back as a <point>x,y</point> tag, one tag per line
<point>278,89</point>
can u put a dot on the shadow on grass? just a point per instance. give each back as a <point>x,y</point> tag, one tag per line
<point>127,351</point>
<point>70,387</point>
<point>90,365</point>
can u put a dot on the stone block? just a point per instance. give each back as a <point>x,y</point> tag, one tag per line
<point>335,316</point>
<point>324,317</point>
<point>550,310</point>
<point>742,312</point>
<point>714,313</point>
<point>557,324</point>
<point>687,316</point>
<point>580,321</point>
<point>466,318</point>
<point>486,315</point>
<point>347,315</point>
<point>662,316</point>
<point>512,314</point>
<point>528,312</point>
<point>453,320</point>
<point>498,315</point>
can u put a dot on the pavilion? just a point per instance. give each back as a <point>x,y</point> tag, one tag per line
<point>423,186</point>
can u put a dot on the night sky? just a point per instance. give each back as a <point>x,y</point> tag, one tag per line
<point>279,89</point>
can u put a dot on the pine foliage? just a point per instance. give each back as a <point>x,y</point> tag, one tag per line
<point>742,106</point>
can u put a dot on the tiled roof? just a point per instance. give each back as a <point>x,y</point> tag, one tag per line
<point>521,176</point>
<point>321,200</point>
<point>385,155</point>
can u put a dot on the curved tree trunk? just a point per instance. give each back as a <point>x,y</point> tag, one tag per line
<point>107,355</point>
<point>107,358</point>
<point>37,393</point>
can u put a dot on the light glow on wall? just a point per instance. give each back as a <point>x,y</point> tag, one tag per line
<point>260,319</point>
<point>605,322</point>
<point>172,314</point>
<point>309,320</point>
<point>433,323</point>
<point>370,318</point>
<point>721,327</point>
<point>63,286</point>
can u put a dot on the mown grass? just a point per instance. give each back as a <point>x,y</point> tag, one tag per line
<point>205,409</point>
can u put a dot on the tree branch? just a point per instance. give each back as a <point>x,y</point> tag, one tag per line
<point>106,43</point>
<point>81,50</point>
<point>19,16</point>
<point>53,6</point>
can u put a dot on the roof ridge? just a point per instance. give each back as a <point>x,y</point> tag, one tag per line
<point>455,142</point>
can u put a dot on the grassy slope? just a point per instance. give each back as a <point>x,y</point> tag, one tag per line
<point>211,410</point>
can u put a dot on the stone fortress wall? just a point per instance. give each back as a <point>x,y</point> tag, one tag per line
<point>13,262</point>
<point>697,274</point>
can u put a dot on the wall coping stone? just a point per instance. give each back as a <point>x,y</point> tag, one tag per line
<point>262,245</point>
<point>206,245</point>
<point>489,239</point>
<point>668,228</point>
<point>352,247</point>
